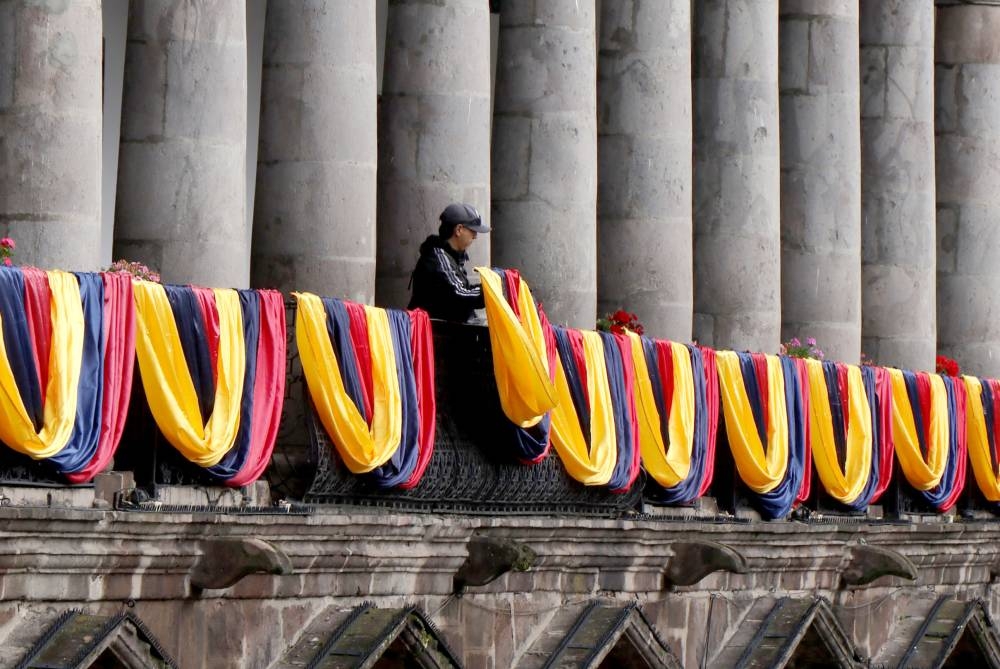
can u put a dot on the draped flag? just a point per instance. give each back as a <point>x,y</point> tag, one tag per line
<point>595,425</point>
<point>66,359</point>
<point>677,395</point>
<point>929,434</point>
<point>763,403</point>
<point>983,420</point>
<point>844,417</point>
<point>524,360</point>
<point>213,368</point>
<point>370,374</point>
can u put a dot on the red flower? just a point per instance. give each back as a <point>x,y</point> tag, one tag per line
<point>620,316</point>
<point>618,329</point>
<point>946,365</point>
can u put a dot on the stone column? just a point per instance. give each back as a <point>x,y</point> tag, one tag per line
<point>434,136</point>
<point>644,164</point>
<point>821,174</point>
<point>737,178</point>
<point>967,117</point>
<point>181,170</point>
<point>50,132</point>
<point>545,153</point>
<point>897,183</point>
<point>314,213</point>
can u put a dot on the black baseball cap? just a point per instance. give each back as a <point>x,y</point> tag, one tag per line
<point>459,213</point>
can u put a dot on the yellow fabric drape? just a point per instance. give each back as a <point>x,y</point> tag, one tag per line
<point>667,464</point>
<point>596,465</point>
<point>361,447</point>
<point>761,471</point>
<point>65,358</point>
<point>167,381</point>
<point>520,363</point>
<point>979,443</point>
<point>843,485</point>
<point>922,474</point>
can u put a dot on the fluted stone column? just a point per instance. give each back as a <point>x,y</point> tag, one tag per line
<point>434,137</point>
<point>545,153</point>
<point>737,187</point>
<point>644,164</point>
<point>967,116</point>
<point>897,182</point>
<point>314,213</point>
<point>821,174</point>
<point>50,131</point>
<point>181,168</point>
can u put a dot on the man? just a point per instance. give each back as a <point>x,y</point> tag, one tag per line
<point>440,285</point>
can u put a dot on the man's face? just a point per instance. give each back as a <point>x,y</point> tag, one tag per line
<point>463,237</point>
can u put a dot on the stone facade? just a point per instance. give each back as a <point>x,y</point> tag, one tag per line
<point>739,171</point>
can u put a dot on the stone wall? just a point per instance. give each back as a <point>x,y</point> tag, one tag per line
<point>54,559</point>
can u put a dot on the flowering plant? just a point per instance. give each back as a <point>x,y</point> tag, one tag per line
<point>794,348</point>
<point>7,247</point>
<point>620,321</point>
<point>947,366</point>
<point>136,269</point>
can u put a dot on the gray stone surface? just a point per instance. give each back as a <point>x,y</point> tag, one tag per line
<point>314,214</point>
<point>967,83</point>
<point>434,137</point>
<point>644,164</point>
<point>737,191</point>
<point>898,326</point>
<point>50,132</point>
<point>545,154</point>
<point>181,172</point>
<point>820,174</point>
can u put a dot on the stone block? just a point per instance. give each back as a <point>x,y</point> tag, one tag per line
<point>8,54</point>
<point>453,138</point>
<point>968,170</point>
<point>58,64</point>
<point>751,50</point>
<point>144,98</point>
<point>52,169</point>
<point>833,53</point>
<point>979,103</point>
<point>511,157</point>
<point>873,81</point>
<point>910,89</point>
<point>708,23</point>
<point>896,22</point>
<point>793,55</point>
<point>541,69</point>
<point>967,34</point>
<point>195,187</point>
<point>322,32</point>
<point>568,291</point>
<point>568,15</point>
<point>438,48</point>
<point>563,165</point>
<point>219,22</point>
<point>318,224</point>
<point>303,115</point>
<point>205,93</point>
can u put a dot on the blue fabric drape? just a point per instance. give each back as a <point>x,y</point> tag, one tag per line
<point>687,490</point>
<point>194,341</point>
<point>778,502</point>
<point>90,390</point>
<point>234,459</point>
<point>621,478</point>
<point>17,340</point>
<point>400,467</point>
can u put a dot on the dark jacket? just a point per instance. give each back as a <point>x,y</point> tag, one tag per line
<point>440,284</point>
